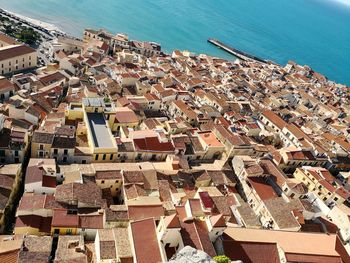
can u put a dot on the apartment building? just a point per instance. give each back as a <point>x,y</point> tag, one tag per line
<point>15,58</point>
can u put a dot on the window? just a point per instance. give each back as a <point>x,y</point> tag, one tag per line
<point>16,153</point>
<point>55,151</point>
<point>103,181</point>
<point>335,199</point>
<point>96,157</point>
<point>111,157</point>
<point>65,151</point>
<point>41,147</point>
<point>104,157</point>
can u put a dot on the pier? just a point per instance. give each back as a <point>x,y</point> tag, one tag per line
<point>237,53</point>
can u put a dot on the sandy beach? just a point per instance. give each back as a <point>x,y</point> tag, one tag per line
<point>36,22</point>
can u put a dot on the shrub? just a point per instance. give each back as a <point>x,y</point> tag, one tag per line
<point>222,259</point>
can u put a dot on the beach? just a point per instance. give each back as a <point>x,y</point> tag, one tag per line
<point>46,29</point>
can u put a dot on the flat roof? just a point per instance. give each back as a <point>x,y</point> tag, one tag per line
<point>99,130</point>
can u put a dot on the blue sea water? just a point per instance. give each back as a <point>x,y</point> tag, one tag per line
<point>312,32</point>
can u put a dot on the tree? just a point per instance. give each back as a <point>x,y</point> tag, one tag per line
<point>222,259</point>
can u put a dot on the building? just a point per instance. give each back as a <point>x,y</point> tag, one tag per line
<point>15,58</point>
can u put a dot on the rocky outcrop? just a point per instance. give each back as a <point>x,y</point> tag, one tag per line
<point>192,255</point>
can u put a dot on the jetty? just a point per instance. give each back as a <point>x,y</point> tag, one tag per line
<point>233,51</point>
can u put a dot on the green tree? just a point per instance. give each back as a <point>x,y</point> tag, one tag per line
<point>222,259</point>
<point>29,36</point>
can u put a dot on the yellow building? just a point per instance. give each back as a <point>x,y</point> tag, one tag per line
<point>41,144</point>
<point>32,225</point>
<point>321,182</point>
<point>64,223</point>
<point>15,58</point>
<point>98,117</point>
<point>124,117</point>
<point>10,177</point>
<point>109,180</point>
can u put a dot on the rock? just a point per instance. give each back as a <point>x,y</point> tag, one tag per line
<point>191,255</point>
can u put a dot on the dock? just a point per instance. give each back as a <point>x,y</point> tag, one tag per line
<point>233,51</point>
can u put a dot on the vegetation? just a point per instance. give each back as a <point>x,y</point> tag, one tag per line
<point>222,259</point>
<point>28,36</point>
<point>18,31</point>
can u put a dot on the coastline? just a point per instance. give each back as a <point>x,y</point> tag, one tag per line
<point>48,26</point>
<point>51,28</point>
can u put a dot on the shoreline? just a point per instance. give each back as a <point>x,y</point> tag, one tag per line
<point>44,28</point>
<point>36,22</point>
<point>48,29</point>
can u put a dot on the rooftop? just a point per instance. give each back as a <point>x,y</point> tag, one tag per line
<point>100,132</point>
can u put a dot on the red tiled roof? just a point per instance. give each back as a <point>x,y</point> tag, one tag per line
<point>125,115</point>
<point>172,221</point>
<point>34,174</point>
<point>29,201</point>
<point>274,118</point>
<point>15,51</point>
<point>6,182</point>
<point>49,181</point>
<point>300,155</point>
<point>263,189</point>
<point>108,175</point>
<point>145,241</point>
<point>91,222</point>
<point>61,218</point>
<point>196,207</point>
<point>9,256</point>
<point>206,200</point>
<point>312,258</point>
<point>145,211</point>
<point>217,220</point>
<point>195,234</point>
<point>152,144</point>
<point>250,252</point>
<point>6,85</point>
<point>43,224</point>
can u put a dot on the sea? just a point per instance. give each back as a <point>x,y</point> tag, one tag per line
<point>311,32</point>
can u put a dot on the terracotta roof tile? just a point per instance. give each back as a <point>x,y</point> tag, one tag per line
<point>145,241</point>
